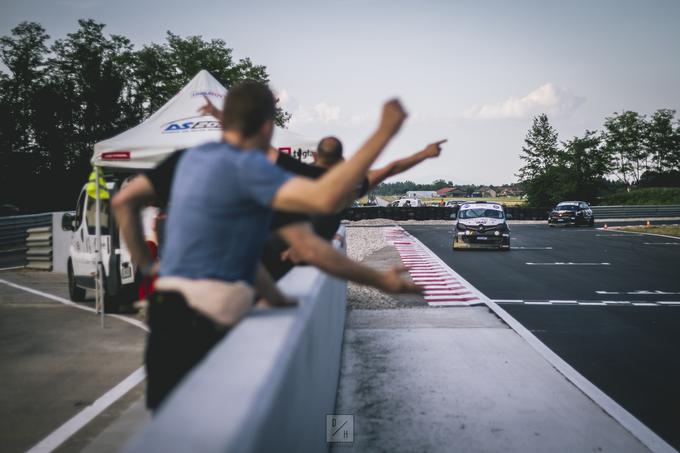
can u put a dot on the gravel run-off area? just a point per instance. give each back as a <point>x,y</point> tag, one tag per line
<point>366,243</point>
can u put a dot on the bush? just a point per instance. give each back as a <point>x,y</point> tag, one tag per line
<point>644,195</point>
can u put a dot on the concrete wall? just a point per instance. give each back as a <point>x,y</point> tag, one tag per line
<point>268,385</point>
<point>61,240</point>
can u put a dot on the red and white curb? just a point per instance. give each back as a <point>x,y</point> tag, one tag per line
<point>442,286</point>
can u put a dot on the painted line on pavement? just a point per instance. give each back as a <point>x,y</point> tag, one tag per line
<point>85,416</point>
<point>134,322</point>
<point>440,287</point>
<point>638,429</point>
<point>646,234</point>
<point>631,303</point>
<point>530,248</point>
<point>568,264</point>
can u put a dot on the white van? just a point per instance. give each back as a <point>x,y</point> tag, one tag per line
<point>119,286</point>
<point>407,202</point>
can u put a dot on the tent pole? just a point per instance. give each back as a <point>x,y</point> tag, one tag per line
<point>98,246</point>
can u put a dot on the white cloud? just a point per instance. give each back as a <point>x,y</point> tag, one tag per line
<point>321,112</point>
<point>547,98</point>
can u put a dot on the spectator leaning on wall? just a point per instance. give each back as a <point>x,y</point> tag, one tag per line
<point>298,238</point>
<point>293,239</point>
<point>209,265</point>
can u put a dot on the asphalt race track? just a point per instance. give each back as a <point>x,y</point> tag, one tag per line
<point>602,300</point>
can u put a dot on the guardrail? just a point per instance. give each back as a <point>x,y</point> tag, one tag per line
<point>637,211</point>
<point>268,385</point>
<point>13,235</point>
<point>517,212</point>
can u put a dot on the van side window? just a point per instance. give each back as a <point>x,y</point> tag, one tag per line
<point>79,209</point>
<point>91,218</point>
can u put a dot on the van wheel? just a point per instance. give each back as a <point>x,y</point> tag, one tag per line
<point>111,303</point>
<point>75,293</point>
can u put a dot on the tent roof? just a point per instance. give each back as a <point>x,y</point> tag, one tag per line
<point>178,125</point>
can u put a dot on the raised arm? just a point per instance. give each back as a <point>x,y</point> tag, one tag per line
<point>126,206</point>
<point>327,194</point>
<point>378,175</point>
<point>308,247</point>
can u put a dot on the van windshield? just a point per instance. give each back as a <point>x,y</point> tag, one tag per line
<point>91,215</point>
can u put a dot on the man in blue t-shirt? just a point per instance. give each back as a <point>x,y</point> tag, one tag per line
<point>221,202</point>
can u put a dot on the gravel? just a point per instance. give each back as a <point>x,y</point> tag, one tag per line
<point>368,245</point>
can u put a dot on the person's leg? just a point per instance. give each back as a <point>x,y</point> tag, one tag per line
<point>179,338</point>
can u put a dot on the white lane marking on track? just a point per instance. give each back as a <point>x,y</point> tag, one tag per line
<point>85,416</point>
<point>661,243</point>
<point>640,292</point>
<point>646,234</point>
<point>82,418</point>
<point>531,248</point>
<point>568,264</point>
<point>631,303</point>
<point>134,322</point>
<point>11,268</point>
<point>440,288</point>
<point>646,436</point>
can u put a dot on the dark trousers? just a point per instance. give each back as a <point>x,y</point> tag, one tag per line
<point>179,338</point>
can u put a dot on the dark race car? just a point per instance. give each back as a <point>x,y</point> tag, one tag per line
<point>571,213</point>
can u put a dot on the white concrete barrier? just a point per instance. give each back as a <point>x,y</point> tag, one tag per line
<point>268,385</point>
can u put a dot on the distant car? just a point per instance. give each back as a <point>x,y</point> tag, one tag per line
<point>481,225</point>
<point>406,203</point>
<point>455,203</point>
<point>571,213</point>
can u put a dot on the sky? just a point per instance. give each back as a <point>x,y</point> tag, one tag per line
<point>473,72</point>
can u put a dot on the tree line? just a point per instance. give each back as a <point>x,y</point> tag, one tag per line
<point>401,187</point>
<point>58,98</point>
<point>632,150</point>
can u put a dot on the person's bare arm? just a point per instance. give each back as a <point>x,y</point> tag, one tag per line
<point>308,247</point>
<point>126,206</point>
<point>328,194</point>
<point>378,175</point>
<point>267,289</point>
<point>209,109</point>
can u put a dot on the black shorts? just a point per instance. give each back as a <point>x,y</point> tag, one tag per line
<point>179,338</point>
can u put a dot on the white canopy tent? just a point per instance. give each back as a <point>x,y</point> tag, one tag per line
<point>175,126</point>
<point>178,125</point>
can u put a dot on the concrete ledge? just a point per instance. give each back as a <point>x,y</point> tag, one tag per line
<point>268,385</point>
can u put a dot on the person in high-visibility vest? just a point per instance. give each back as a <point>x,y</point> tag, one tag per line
<point>91,188</point>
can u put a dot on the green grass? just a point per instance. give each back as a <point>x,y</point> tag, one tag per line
<point>647,195</point>
<point>668,230</point>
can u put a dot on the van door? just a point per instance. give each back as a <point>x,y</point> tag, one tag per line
<point>90,227</point>
<point>80,254</point>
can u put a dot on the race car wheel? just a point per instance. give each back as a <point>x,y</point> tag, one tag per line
<point>75,293</point>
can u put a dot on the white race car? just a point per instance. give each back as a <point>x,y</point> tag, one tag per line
<point>481,225</point>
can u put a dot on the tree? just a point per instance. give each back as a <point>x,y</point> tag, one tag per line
<point>539,176</point>
<point>161,70</point>
<point>57,101</point>
<point>24,54</point>
<point>540,150</point>
<point>585,164</point>
<point>662,140</point>
<point>624,139</point>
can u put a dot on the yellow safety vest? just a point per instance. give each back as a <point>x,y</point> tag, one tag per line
<point>92,187</point>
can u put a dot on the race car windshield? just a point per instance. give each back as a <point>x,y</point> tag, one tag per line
<point>476,213</point>
<point>567,207</point>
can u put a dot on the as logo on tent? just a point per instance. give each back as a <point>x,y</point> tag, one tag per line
<point>191,126</point>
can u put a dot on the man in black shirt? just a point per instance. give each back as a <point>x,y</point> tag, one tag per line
<point>291,241</point>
